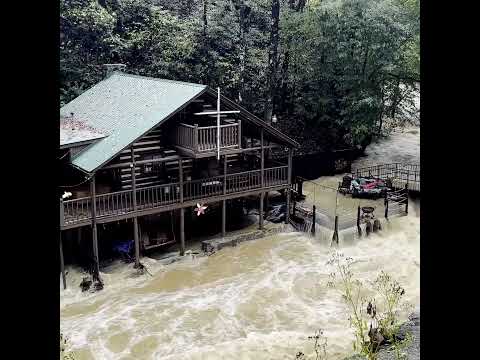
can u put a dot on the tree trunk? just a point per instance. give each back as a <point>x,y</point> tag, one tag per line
<point>205,43</point>
<point>243,11</point>
<point>396,99</point>
<point>284,92</point>
<point>272,61</point>
<point>204,18</point>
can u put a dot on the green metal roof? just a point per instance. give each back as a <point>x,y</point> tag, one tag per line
<point>124,107</point>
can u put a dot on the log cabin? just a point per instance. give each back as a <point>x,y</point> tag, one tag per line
<point>133,146</point>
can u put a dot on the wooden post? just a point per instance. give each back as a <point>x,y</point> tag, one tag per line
<point>386,207</point>
<point>182,231</point>
<point>314,220</point>
<point>266,203</point>
<point>260,212</point>
<point>290,158</point>
<point>335,231</point>
<point>195,138</point>
<point>96,268</point>
<point>180,178</point>
<point>182,210</point>
<point>359,229</point>
<point>134,201</point>
<point>300,187</point>
<point>287,213</point>
<point>62,265</point>
<point>224,202</point>
<point>406,198</point>
<point>262,159</point>
<point>289,189</point>
<point>239,134</point>
<point>62,213</point>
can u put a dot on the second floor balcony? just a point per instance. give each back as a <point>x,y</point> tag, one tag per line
<point>203,139</point>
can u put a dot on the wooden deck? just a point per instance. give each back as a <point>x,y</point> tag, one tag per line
<point>204,139</point>
<point>400,174</point>
<point>119,205</point>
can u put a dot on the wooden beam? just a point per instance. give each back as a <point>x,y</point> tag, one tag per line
<point>127,164</point>
<point>96,268</point>
<point>62,265</point>
<point>216,112</point>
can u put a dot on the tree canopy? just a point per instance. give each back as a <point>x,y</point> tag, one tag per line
<point>330,70</point>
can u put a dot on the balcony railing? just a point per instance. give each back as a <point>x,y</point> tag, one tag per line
<point>204,139</point>
<point>121,202</point>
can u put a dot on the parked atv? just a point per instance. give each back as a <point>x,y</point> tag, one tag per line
<point>368,187</point>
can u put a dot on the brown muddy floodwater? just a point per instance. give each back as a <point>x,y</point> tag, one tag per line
<point>259,300</point>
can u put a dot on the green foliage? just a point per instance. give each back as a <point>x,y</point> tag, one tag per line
<point>343,65</point>
<point>375,319</point>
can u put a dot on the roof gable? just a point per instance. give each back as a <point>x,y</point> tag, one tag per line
<point>123,107</point>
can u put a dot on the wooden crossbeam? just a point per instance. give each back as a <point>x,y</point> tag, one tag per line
<point>216,112</point>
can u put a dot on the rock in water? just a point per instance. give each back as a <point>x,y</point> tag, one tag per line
<point>85,284</point>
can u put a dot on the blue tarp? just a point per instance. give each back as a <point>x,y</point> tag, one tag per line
<point>124,247</point>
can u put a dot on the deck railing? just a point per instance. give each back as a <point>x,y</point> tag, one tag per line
<point>204,139</point>
<point>399,173</point>
<point>121,202</point>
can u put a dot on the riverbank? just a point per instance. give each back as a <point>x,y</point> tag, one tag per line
<point>411,351</point>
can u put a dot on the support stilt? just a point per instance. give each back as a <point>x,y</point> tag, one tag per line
<point>62,265</point>
<point>182,231</point>
<point>260,212</point>
<point>135,219</point>
<point>314,219</point>
<point>96,266</point>
<point>224,216</point>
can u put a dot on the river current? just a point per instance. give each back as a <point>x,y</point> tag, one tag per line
<point>258,300</point>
